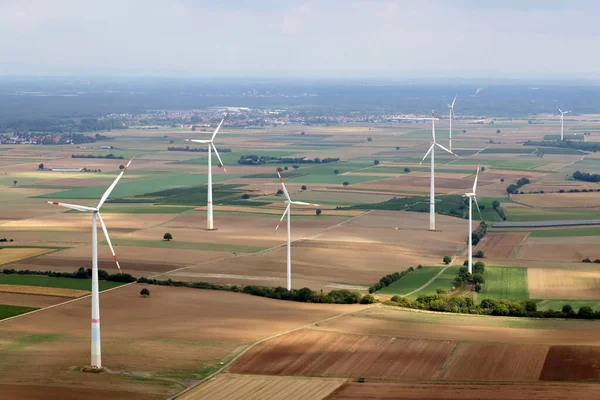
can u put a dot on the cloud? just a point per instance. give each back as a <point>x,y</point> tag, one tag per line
<point>300,38</point>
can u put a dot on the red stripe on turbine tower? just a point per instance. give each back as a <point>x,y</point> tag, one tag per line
<point>95,321</point>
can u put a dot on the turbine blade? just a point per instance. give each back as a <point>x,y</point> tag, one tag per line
<point>426,154</point>
<point>219,157</point>
<point>478,209</point>
<point>72,206</point>
<point>218,127</point>
<point>302,203</point>
<point>111,187</point>
<point>287,195</point>
<point>198,141</point>
<point>108,241</point>
<point>453,101</point>
<point>445,149</point>
<point>283,216</point>
<point>558,108</point>
<point>476,176</point>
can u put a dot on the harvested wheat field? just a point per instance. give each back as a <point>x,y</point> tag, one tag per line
<point>8,255</point>
<point>395,322</point>
<point>572,363</point>
<point>36,392</point>
<point>559,248</point>
<point>174,332</point>
<point>558,200</point>
<point>252,387</point>
<point>43,291</point>
<point>500,245</point>
<point>549,283</point>
<point>465,391</point>
<point>27,300</point>
<point>496,362</point>
<point>316,353</point>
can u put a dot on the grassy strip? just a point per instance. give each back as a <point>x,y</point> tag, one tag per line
<point>7,311</point>
<point>565,232</point>
<point>48,281</point>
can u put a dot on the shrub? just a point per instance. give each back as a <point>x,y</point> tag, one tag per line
<point>586,312</point>
<point>567,309</point>
<point>478,254</point>
<point>367,299</point>
<point>336,171</point>
<point>345,183</point>
<point>477,278</point>
<point>303,187</point>
<point>167,236</point>
<point>145,292</point>
<point>586,260</point>
<point>419,266</point>
<point>447,260</point>
<point>369,139</point>
<point>479,267</point>
<point>376,162</point>
<point>478,287</point>
<point>397,147</point>
<point>318,211</point>
<point>530,306</point>
<point>279,192</point>
<point>441,291</point>
<point>245,196</point>
<point>407,170</point>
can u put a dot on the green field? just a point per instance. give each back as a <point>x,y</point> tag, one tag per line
<point>444,282</point>
<point>533,214</point>
<point>504,283</point>
<point>142,209</point>
<point>565,232</point>
<point>129,188</point>
<point>505,164</point>
<point>176,244</point>
<point>7,311</point>
<point>48,281</point>
<point>412,281</point>
<point>334,179</point>
<point>557,305</point>
<point>232,158</point>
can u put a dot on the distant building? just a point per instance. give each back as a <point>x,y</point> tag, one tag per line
<point>64,169</point>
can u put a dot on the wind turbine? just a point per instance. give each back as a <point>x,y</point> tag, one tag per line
<point>472,196</point>
<point>451,114</point>
<point>96,355</point>
<point>287,211</point>
<point>211,146</point>
<point>562,114</point>
<point>432,186</point>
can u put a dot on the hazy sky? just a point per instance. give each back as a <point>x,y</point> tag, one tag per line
<point>302,38</point>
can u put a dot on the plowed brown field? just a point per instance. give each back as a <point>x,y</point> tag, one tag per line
<point>317,353</point>
<point>497,362</point>
<point>572,363</point>
<point>500,245</point>
<point>465,391</point>
<point>251,387</point>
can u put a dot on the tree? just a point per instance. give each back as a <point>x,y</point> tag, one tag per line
<point>14,183</point>
<point>279,192</point>
<point>367,299</point>
<point>397,147</point>
<point>376,162</point>
<point>478,278</point>
<point>245,196</point>
<point>585,312</point>
<point>501,179</point>
<point>41,166</point>
<point>530,306</point>
<point>447,260</point>
<point>145,292</point>
<point>369,139</point>
<point>193,128</point>
<point>279,169</point>
<point>168,236</point>
<point>464,131</point>
<point>336,171</point>
<point>285,168</point>
<point>478,254</point>
<point>495,204</point>
<point>567,309</point>
<point>318,212</point>
<point>482,169</point>
<point>121,167</point>
<point>295,166</point>
<point>498,131</point>
<point>512,188</point>
<point>345,183</point>
<point>303,187</point>
<point>407,170</point>
<point>302,133</point>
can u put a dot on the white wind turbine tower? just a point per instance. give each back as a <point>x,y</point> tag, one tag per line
<point>432,186</point>
<point>211,146</point>
<point>562,114</point>
<point>289,203</point>
<point>450,116</point>
<point>472,196</point>
<point>96,354</point>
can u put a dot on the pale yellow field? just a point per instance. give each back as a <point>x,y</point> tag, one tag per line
<point>259,387</point>
<point>547,283</point>
<point>43,291</point>
<point>559,200</point>
<point>11,255</point>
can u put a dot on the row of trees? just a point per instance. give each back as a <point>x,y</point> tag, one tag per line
<point>514,188</point>
<point>197,149</point>
<point>81,273</point>
<point>586,176</point>
<point>253,159</point>
<point>108,156</point>
<point>496,206</point>
<point>476,278</point>
<point>479,233</point>
<point>568,144</point>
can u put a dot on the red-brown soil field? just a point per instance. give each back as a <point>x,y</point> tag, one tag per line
<point>465,391</point>
<point>572,363</point>
<point>500,245</point>
<point>317,353</point>
<point>496,362</point>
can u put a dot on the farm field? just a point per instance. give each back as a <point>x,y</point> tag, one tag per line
<point>500,245</point>
<point>411,282</point>
<point>547,283</point>
<point>505,283</point>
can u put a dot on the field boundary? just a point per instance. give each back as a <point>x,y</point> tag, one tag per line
<point>428,282</point>
<point>251,346</point>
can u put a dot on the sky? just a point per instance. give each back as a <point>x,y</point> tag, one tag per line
<point>347,39</point>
